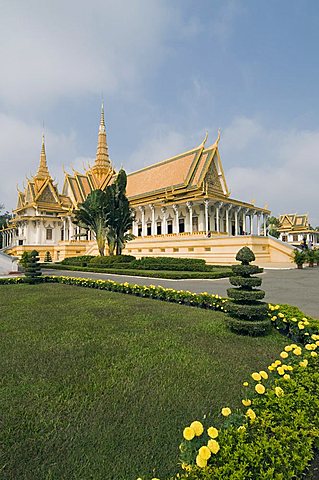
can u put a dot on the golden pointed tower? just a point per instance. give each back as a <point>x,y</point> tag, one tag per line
<point>43,171</point>
<point>102,168</point>
<point>102,160</point>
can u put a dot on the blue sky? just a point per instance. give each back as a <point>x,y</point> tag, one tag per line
<point>167,71</point>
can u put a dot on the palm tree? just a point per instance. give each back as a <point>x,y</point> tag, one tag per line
<point>120,215</point>
<point>93,214</point>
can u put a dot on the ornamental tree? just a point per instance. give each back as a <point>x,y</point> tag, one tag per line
<point>249,316</point>
<point>32,268</point>
<point>120,215</point>
<point>92,214</point>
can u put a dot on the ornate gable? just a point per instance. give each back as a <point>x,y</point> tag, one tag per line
<point>47,195</point>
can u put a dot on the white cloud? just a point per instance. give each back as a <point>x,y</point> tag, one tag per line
<point>277,167</point>
<point>20,155</point>
<point>54,49</point>
<point>162,143</point>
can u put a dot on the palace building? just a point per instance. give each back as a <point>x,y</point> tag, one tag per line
<point>296,229</point>
<point>182,208</point>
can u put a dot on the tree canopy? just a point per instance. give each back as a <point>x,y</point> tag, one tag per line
<point>108,214</point>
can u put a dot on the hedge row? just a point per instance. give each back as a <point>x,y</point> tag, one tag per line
<point>121,269</point>
<point>145,263</point>
<point>201,300</point>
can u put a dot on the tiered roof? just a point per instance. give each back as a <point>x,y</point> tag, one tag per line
<point>293,222</point>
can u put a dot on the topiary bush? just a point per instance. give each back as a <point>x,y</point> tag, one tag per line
<point>47,257</point>
<point>249,316</point>
<point>24,259</point>
<point>32,268</point>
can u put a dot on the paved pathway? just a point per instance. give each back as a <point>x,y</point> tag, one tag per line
<point>296,287</point>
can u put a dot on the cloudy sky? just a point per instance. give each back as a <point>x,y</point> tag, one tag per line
<point>168,70</point>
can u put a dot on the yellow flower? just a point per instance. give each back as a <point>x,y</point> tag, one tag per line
<point>273,318</point>
<point>241,429</point>
<point>197,427</point>
<point>281,370</point>
<point>297,351</point>
<point>279,391</point>
<point>256,376</point>
<point>289,368</point>
<point>281,315</point>
<point>293,345</point>
<point>246,402</point>
<point>271,368</point>
<point>286,376</point>
<point>213,446</point>
<point>317,343</point>
<point>277,363</point>
<point>284,355</point>
<point>276,307</point>
<point>288,348</point>
<point>245,384</point>
<point>226,411</point>
<point>251,414</point>
<point>301,326</point>
<point>204,452</point>
<point>188,433</point>
<point>260,388</point>
<point>212,432</point>
<point>200,462</point>
<point>314,354</point>
<point>304,363</point>
<point>263,374</point>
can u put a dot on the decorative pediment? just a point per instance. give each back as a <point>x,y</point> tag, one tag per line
<point>47,194</point>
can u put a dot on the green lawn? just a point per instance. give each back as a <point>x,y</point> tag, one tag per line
<point>99,385</point>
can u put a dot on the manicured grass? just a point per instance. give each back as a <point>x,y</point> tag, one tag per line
<point>217,272</point>
<point>100,385</point>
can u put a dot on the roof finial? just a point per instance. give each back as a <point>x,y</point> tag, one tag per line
<point>102,120</point>
<point>43,171</point>
<point>205,140</point>
<point>218,138</point>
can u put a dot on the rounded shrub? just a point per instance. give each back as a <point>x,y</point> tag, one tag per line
<point>249,316</point>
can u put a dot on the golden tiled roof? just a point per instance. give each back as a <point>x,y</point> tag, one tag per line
<point>293,222</point>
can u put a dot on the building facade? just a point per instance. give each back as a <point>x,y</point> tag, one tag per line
<point>182,207</point>
<point>296,229</point>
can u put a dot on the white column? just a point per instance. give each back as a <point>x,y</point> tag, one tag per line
<point>142,210</point>
<point>176,223</point>
<point>251,216</point>
<point>265,217</point>
<point>206,204</point>
<point>164,224</point>
<point>228,209</point>
<point>64,229</point>
<point>217,217</point>
<point>38,232</point>
<point>258,224</point>
<point>153,227</point>
<point>201,220</point>
<point>244,221</point>
<point>190,209</point>
<point>236,221</point>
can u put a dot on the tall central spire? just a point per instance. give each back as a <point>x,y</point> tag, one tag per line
<point>102,160</point>
<point>43,171</point>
